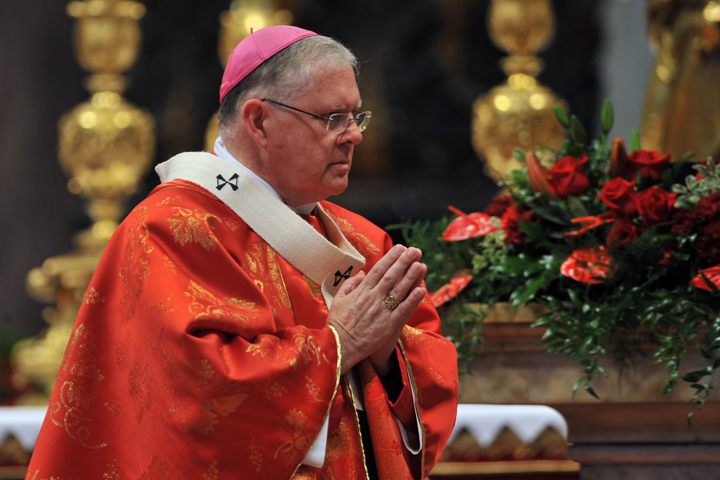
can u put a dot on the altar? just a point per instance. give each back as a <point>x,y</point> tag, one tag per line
<point>489,441</point>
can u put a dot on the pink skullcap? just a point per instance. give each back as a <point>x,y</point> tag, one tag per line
<point>255,49</point>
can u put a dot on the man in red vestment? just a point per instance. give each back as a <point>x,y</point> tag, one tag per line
<point>241,326</point>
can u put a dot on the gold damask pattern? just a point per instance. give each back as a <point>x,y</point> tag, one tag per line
<point>194,226</point>
<point>35,476</point>
<point>302,346</point>
<point>134,267</point>
<point>112,473</point>
<point>260,263</point>
<point>157,470</point>
<point>92,297</point>
<point>138,388</point>
<point>162,307</point>
<point>79,377</point>
<point>206,305</point>
<point>176,200</point>
<point>312,389</point>
<point>256,455</point>
<point>298,440</point>
<point>212,471</point>
<point>199,395</point>
<point>360,241</point>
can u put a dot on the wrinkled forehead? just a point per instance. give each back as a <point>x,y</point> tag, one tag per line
<point>335,86</point>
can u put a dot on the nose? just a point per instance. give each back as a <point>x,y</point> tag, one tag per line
<point>351,134</point>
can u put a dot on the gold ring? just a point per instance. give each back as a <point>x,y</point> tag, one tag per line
<point>391,302</point>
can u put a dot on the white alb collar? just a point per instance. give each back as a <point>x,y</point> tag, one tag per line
<point>222,152</point>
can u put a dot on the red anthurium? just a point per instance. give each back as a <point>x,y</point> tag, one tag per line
<point>712,273</point>
<point>588,223</point>
<point>588,264</point>
<point>450,290</point>
<point>468,226</point>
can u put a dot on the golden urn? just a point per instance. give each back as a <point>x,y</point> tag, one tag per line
<point>518,113</point>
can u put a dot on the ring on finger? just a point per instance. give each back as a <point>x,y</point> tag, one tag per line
<point>391,302</point>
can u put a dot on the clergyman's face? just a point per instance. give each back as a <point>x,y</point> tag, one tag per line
<point>306,162</point>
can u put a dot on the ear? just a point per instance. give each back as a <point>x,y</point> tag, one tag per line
<point>253,115</point>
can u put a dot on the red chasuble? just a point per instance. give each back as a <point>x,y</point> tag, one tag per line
<point>201,353</point>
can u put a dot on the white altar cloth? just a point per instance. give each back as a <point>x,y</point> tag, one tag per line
<point>22,422</point>
<point>484,422</point>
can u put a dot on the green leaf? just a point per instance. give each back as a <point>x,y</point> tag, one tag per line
<point>561,116</point>
<point>576,207</point>
<point>634,141</point>
<point>590,390</point>
<point>529,292</point>
<point>577,131</point>
<point>534,231</point>
<point>607,117</point>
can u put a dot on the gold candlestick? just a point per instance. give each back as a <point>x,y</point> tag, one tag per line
<point>519,112</point>
<point>105,146</point>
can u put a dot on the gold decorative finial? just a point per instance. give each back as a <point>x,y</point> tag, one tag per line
<point>236,24</point>
<point>105,146</point>
<point>519,112</point>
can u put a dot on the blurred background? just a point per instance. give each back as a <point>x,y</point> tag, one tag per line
<point>424,63</point>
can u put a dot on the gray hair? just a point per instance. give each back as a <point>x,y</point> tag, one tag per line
<point>284,76</point>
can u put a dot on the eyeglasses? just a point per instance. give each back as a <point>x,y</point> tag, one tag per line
<point>336,122</point>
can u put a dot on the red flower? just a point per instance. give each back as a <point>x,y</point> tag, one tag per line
<point>655,205</point>
<point>588,223</point>
<point>712,273</point>
<point>619,195</point>
<point>499,205</point>
<point>537,174</point>
<point>466,226</point>
<point>511,224</point>
<point>650,163</point>
<point>567,177</point>
<point>450,290</point>
<point>684,222</point>
<point>622,233</point>
<point>588,264</point>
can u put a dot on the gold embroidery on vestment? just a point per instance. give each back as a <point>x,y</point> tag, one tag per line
<point>360,241</point>
<point>112,473</point>
<point>260,263</point>
<point>199,395</point>
<point>194,226</point>
<point>142,397</point>
<point>256,456</point>
<point>298,440</point>
<point>206,305</point>
<point>80,376</point>
<point>158,470</point>
<point>302,347</point>
<point>170,265</point>
<point>176,200</point>
<point>93,296</point>
<point>114,410</point>
<point>134,267</point>
<point>212,471</point>
<point>162,307</point>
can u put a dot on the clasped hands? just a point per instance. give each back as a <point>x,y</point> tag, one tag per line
<point>366,327</point>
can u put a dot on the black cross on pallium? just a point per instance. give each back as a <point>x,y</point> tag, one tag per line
<point>339,277</point>
<point>233,182</point>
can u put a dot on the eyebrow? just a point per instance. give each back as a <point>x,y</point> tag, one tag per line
<point>344,107</point>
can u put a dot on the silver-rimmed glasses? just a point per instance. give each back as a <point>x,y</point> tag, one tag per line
<point>336,122</point>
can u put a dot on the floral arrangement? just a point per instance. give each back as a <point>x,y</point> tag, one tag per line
<point>622,250</point>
